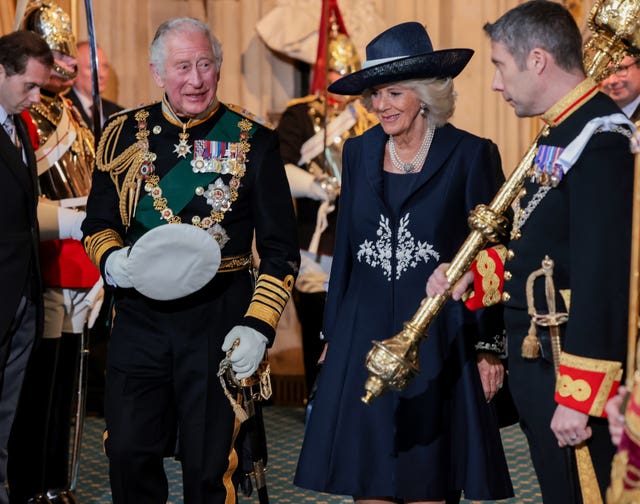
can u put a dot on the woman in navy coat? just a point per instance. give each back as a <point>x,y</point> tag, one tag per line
<point>408,185</point>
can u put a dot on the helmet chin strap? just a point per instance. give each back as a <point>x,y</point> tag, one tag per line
<point>64,73</point>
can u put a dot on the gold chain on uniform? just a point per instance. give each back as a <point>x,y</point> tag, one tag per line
<point>161,204</point>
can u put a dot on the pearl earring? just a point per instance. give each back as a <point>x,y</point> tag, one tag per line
<point>423,109</point>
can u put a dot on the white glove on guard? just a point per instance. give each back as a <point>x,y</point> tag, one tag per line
<point>69,222</point>
<point>116,268</point>
<point>94,299</point>
<point>303,184</point>
<point>246,357</point>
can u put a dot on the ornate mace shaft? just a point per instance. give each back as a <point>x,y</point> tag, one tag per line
<point>393,363</point>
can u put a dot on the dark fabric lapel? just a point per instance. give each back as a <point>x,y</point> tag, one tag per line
<point>78,105</point>
<point>25,140</point>
<point>445,140</point>
<point>13,157</point>
<point>373,144</point>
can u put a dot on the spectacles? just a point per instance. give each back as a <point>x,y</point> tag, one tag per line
<point>622,71</point>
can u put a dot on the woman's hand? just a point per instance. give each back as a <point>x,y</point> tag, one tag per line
<point>491,374</point>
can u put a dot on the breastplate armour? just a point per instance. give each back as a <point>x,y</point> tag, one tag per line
<point>69,176</point>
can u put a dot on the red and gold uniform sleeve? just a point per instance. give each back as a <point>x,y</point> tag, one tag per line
<point>586,384</point>
<point>488,278</point>
<point>625,468</point>
<point>34,136</point>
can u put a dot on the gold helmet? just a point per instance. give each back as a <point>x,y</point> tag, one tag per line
<point>343,55</point>
<point>53,24</point>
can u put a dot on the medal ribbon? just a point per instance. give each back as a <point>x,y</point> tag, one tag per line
<point>179,184</point>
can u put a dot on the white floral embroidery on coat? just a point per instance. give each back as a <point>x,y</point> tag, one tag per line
<point>408,252</point>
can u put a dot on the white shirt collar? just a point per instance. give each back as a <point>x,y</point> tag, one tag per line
<point>3,115</point>
<point>630,108</point>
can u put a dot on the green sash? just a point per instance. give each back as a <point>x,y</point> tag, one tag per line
<point>179,184</point>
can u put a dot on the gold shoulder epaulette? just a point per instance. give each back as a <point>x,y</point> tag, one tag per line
<point>249,115</point>
<point>133,109</point>
<point>117,159</point>
<point>302,99</point>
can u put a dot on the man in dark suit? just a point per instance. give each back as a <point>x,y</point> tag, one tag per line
<point>81,92</point>
<point>623,86</point>
<point>25,66</point>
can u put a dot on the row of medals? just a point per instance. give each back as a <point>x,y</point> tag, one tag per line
<point>211,157</point>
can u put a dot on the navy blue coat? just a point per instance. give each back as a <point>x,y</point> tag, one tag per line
<point>439,434</point>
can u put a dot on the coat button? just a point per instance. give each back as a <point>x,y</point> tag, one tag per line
<point>507,275</point>
<point>506,297</point>
<point>510,254</point>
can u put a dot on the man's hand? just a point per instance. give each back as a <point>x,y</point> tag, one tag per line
<point>246,357</point>
<point>615,416</point>
<point>438,283</point>
<point>116,268</point>
<point>570,426</point>
<point>491,374</point>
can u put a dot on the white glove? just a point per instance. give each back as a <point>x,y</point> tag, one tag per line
<point>94,299</point>
<point>303,184</point>
<point>69,222</point>
<point>246,357</point>
<point>116,268</point>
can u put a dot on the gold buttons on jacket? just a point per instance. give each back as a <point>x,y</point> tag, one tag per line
<point>506,297</point>
<point>510,254</point>
<point>507,275</point>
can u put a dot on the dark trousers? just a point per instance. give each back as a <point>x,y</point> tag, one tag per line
<point>39,441</point>
<point>161,372</point>
<point>19,342</point>
<point>310,311</point>
<point>532,384</point>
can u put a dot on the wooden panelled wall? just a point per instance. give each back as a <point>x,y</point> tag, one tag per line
<point>262,81</point>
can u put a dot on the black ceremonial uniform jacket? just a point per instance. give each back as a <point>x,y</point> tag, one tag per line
<point>296,126</point>
<point>584,226</point>
<point>143,144</point>
<point>300,121</point>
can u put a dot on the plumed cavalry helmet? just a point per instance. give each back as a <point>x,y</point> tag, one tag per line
<point>343,56</point>
<point>53,24</point>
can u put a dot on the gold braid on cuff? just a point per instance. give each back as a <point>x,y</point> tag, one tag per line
<point>97,244</point>
<point>269,298</point>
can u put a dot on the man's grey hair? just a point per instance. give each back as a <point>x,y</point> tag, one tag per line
<point>539,23</point>
<point>184,26</point>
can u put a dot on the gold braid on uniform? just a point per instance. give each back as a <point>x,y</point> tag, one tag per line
<point>130,160</point>
<point>97,244</point>
<point>269,298</point>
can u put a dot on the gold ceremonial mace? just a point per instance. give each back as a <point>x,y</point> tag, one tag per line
<point>393,363</point>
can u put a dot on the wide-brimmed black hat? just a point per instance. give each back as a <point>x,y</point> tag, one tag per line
<point>401,53</point>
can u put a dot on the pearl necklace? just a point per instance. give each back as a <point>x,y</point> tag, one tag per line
<point>416,163</point>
